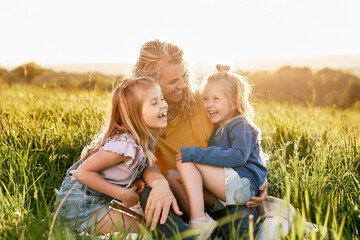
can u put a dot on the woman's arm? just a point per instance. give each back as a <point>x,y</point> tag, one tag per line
<point>88,174</point>
<point>160,198</point>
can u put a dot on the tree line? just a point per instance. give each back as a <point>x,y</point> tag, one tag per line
<point>325,87</point>
<point>34,75</point>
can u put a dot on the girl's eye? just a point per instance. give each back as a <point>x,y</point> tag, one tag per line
<point>154,102</point>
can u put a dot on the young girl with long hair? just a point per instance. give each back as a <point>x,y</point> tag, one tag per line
<point>111,166</point>
<point>230,170</point>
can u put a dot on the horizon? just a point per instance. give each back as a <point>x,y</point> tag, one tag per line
<point>350,62</point>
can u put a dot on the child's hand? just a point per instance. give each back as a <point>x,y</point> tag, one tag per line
<point>130,196</point>
<point>178,157</point>
<point>140,185</point>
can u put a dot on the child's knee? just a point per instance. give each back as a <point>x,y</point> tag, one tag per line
<point>171,175</point>
<point>179,165</point>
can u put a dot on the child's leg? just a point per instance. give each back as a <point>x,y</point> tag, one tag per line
<point>193,176</point>
<point>115,221</point>
<point>174,179</point>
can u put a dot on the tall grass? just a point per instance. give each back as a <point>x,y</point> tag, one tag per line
<point>314,163</point>
<point>314,158</point>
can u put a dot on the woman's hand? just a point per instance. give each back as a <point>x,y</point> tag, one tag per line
<point>257,201</point>
<point>129,196</point>
<point>140,185</point>
<point>178,157</point>
<point>159,202</point>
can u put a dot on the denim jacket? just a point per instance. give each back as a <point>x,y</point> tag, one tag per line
<point>237,147</point>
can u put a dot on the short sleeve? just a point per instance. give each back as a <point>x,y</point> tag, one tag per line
<point>124,145</point>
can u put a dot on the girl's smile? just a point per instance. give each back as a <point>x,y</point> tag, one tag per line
<point>154,110</point>
<point>217,106</point>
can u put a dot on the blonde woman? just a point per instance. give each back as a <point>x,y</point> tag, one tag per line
<point>188,125</point>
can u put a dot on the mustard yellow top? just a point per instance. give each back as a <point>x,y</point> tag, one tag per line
<point>183,133</point>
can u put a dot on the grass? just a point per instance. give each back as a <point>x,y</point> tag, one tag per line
<point>313,164</point>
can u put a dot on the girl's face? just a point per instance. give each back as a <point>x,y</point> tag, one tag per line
<point>217,106</point>
<point>154,108</point>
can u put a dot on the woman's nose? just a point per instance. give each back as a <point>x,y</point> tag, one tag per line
<point>181,83</point>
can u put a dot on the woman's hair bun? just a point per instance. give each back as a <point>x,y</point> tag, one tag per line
<point>224,68</point>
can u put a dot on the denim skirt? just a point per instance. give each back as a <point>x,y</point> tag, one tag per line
<point>83,207</point>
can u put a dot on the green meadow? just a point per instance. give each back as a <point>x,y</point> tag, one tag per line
<point>313,161</point>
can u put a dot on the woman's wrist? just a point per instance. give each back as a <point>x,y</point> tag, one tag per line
<point>160,182</point>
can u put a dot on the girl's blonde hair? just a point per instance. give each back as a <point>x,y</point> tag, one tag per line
<point>148,64</point>
<point>126,117</point>
<point>237,90</point>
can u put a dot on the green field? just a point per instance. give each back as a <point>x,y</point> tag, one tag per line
<point>314,158</point>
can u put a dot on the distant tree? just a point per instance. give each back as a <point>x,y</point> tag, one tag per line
<point>30,72</point>
<point>351,94</point>
<point>326,87</point>
<point>2,74</point>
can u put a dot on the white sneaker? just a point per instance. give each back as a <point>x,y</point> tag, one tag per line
<point>203,227</point>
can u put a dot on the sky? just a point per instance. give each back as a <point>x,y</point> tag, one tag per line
<point>226,31</point>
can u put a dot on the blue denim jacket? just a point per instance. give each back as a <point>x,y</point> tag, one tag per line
<point>238,147</point>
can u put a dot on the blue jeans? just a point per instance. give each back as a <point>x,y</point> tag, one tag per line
<point>235,229</point>
<point>175,224</point>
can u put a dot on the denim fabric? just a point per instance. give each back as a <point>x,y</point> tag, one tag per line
<point>137,174</point>
<point>173,225</point>
<point>235,229</point>
<point>83,206</point>
<point>237,147</point>
<point>238,192</point>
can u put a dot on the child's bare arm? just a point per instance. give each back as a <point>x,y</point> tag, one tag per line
<point>88,174</point>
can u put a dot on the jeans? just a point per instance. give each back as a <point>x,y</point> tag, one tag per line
<point>175,224</point>
<point>235,228</point>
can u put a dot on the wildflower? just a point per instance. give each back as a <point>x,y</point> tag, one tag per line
<point>17,216</point>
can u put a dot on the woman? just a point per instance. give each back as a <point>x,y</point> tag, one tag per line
<point>187,126</point>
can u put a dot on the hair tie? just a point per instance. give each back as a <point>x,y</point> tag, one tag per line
<point>224,68</point>
<point>127,82</point>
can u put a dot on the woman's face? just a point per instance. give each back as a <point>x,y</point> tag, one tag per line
<point>154,109</point>
<point>172,81</point>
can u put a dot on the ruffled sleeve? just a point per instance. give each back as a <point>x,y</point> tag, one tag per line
<point>124,145</point>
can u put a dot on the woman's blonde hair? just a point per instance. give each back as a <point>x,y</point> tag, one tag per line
<point>126,117</point>
<point>151,55</point>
